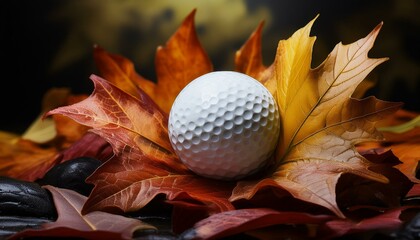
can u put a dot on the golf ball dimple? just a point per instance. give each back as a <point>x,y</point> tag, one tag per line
<point>224,125</point>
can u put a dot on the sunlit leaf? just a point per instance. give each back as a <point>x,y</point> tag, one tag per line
<point>320,121</point>
<point>145,164</point>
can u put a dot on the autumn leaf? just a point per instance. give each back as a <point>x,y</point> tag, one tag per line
<point>122,120</point>
<point>71,223</point>
<point>320,121</point>
<point>251,220</point>
<point>121,72</point>
<point>357,196</point>
<point>177,63</point>
<point>29,156</point>
<point>386,222</point>
<point>90,145</point>
<point>249,60</point>
<point>26,160</point>
<point>145,164</point>
<point>404,144</point>
<point>229,223</point>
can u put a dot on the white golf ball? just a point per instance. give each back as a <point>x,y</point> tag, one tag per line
<point>224,125</point>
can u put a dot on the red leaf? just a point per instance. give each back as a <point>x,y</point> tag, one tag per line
<point>130,182</point>
<point>71,223</point>
<point>356,193</point>
<point>405,145</point>
<point>122,119</point>
<point>146,164</point>
<point>237,221</point>
<point>90,145</point>
<point>121,72</point>
<point>26,160</point>
<point>386,222</point>
<point>179,62</point>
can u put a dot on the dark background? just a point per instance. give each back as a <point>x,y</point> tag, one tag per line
<point>48,43</point>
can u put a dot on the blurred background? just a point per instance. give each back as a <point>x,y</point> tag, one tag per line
<point>48,43</point>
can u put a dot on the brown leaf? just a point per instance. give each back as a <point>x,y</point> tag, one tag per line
<point>130,182</point>
<point>121,72</point>
<point>384,223</point>
<point>145,164</point>
<point>179,62</point>
<point>357,196</point>
<point>30,156</point>
<point>233,222</point>
<point>90,145</point>
<point>321,123</point>
<point>71,223</point>
<point>405,145</point>
<point>249,58</point>
<point>26,160</point>
<point>122,119</point>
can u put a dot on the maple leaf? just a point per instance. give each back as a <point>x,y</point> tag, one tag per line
<point>248,59</point>
<point>233,222</point>
<point>145,164</point>
<point>177,63</point>
<point>121,72</point>
<point>320,121</point>
<point>71,223</point>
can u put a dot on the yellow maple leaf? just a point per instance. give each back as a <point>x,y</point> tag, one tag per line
<point>320,122</point>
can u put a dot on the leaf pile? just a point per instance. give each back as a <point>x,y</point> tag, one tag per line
<point>333,175</point>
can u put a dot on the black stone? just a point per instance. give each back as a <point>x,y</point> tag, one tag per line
<point>21,198</point>
<point>72,175</point>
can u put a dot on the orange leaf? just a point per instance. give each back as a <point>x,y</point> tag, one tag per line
<point>145,162</point>
<point>321,123</point>
<point>405,145</point>
<point>26,160</point>
<point>109,110</point>
<point>179,62</point>
<point>121,72</point>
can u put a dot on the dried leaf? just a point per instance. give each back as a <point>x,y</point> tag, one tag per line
<point>145,162</point>
<point>321,123</point>
<point>71,223</point>
<point>129,183</point>
<point>122,119</point>
<point>238,221</point>
<point>405,145</point>
<point>179,62</point>
<point>90,145</point>
<point>121,72</point>
<point>249,58</point>
<point>385,223</point>
<point>26,160</point>
<point>356,195</point>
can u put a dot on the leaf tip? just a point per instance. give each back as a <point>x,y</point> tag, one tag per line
<point>190,17</point>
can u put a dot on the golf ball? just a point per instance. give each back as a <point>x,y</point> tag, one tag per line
<point>224,125</point>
